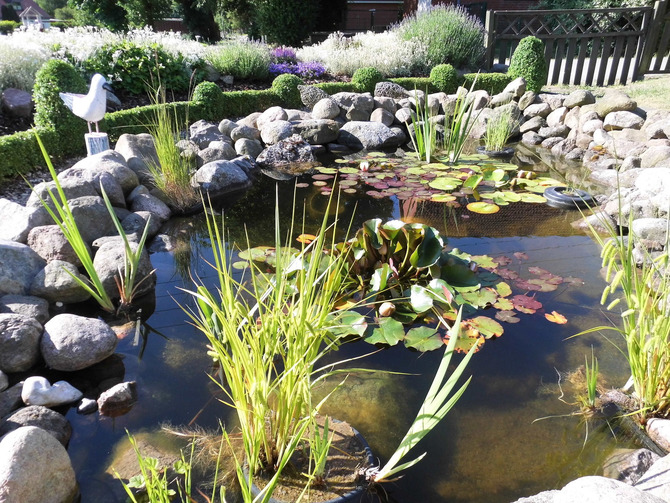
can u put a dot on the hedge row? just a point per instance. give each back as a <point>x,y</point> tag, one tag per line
<point>62,132</point>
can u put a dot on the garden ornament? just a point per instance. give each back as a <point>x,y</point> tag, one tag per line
<point>92,106</point>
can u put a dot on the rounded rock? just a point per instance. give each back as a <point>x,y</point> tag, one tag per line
<point>71,342</point>
<point>19,342</point>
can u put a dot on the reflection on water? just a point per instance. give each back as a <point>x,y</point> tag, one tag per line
<point>488,449</point>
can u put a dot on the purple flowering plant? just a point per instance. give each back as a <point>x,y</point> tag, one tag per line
<point>283,55</point>
<point>284,60</point>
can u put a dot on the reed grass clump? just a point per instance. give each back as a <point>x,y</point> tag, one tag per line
<point>267,333</point>
<point>499,128</point>
<point>640,296</point>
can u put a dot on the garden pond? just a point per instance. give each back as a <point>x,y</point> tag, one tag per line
<point>512,433</point>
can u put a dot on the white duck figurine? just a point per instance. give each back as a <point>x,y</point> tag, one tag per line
<point>92,106</point>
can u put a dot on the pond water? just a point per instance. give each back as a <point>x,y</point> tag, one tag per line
<point>490,448</point>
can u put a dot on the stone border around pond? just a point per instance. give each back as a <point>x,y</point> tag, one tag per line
<point>620,144</point>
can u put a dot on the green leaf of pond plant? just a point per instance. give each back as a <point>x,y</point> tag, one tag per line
<point>430,249</point>
<point>488,327</point>
<point>483,208</point>
<point>423,339</point>
<point>388,332</point>
<point>345,323</point>
<point>420,299</point>
<point>445,183</point>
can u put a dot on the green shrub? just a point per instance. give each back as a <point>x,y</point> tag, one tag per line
<point>242,60</point>
<point>7,27</point>
<point>528,62</point>
<point>137,69</point>
<point>444,78</point>
<point>19,152</point>
<point>286,87</point>
<point>493,83</point>
<point>51,113</point>
<point>451,35</point>
<point>366,78</point>
<point>210,98</point>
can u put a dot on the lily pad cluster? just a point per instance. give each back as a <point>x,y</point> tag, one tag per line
<point>476,181</point>
<point>405,285</point>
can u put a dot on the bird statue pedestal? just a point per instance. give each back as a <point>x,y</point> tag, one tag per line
<point>96,143</point>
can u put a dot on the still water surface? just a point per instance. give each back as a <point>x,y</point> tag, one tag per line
<point>490,448</point>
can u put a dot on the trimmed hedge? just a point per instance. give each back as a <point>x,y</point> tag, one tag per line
<point>337,87</point>
<point>493,83</point>
<point>411,83</point>
<point>50,111</point>
<point>286,87</point>
<point>20,153</point>
<point>365,79</point>
<point>528,62</point>
<point>444,78</point>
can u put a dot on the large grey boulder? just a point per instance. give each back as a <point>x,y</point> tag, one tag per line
<point>133,225</point>
<point>310,95</point>
<point>72,342</point>
<point>223,177</point>
<point>50,243</point>
<point>537,109</point>
<point>110,162</point>
<point>35,468</point>
<point>71,186</point>
<point>226,126</point>
<point>25,305</point>
<point>110,259</point>
<point>139,151</point>
<point>92,218</point>
<point>17,220</point>
<point>42,417</point>
<point>245,146</point>
<point>151,204</point>
<point>272,114</point>
<point>596,489</point>
<point>276,131</point>
<point>382,115</point>
<point>326,108</point>
<point>10,399</point>
<point>16,102</point>
<point>622,120</point>
<point>286,158</point>
<point>4,381</point>
<point>579,98</point>
<point>614,101</point>
<point>19,264</point>
<point>517,87</point>
<point>317,131</point>
<point>118,399</point>
<point>361,102</point>
<point>654,156</point>
<point>203,132</point>
<point>367,135</point>
<point>248,132</point>
<point>57,283</point>
<point>390,90</point>
<point>19,342</point>
<point>216,151</point>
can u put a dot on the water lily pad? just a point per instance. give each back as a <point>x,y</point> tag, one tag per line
<point>467,340</point>
<point>526,304</point>
<point>348,183</point>
<point>488,327</point>
<point>503,289</point>
<point>483,208</point>
<point>507,316</point>
<point>322,176</point>
<point>350,170</point>
<point>503,304</point>
<point>420,299</point>
<point>556,317</point>
<point>256,254</point>
<point>389,331</point>
<point>319,183</point>
<point>484,261</point>
<point>543,285</point>
<point>346,323</point>
<point>520,255</point>
<point>302,185</point>
<point>442,198</point>
<point>445,183</point>
<point>305,238</point>
<point>240,265</point>
<point>423,339</point>
<point>349,191</point>
<point>322,169</point>
<point>532,198</point>
<point>342,161</point>
<point>481,298</point>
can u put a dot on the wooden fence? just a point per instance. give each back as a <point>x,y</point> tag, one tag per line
<point>586,47</point>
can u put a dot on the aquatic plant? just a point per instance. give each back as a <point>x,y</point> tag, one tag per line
<point>645,316</point>
<point>499,129</point>
<point>172,173</point>
<point>266,332</point>
<point>460,125</point>
<point>591,375</point>
<point>424,139</point>
<point>438,402</point>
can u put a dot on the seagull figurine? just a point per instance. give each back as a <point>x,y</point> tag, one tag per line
<point>92,106</point>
